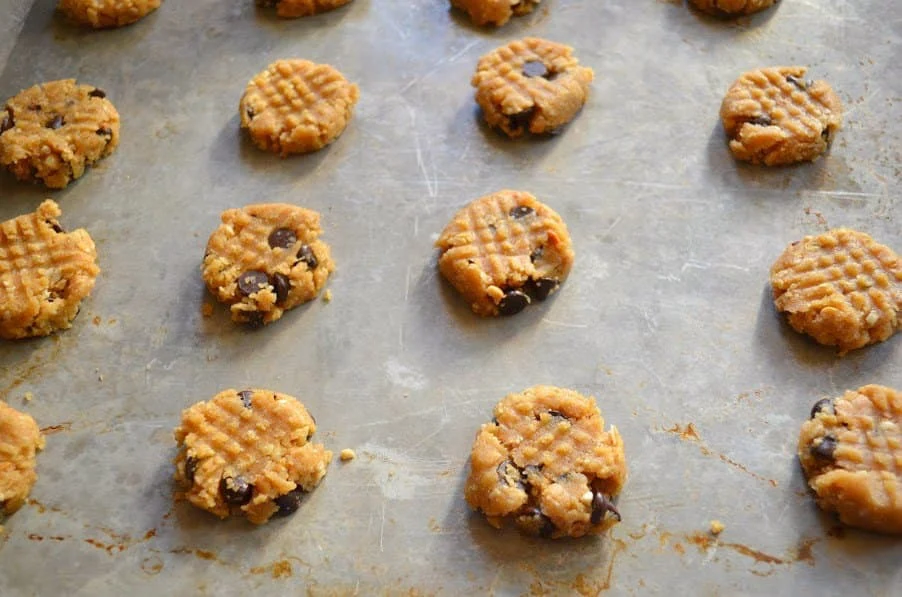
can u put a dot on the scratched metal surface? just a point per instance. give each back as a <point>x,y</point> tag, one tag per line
<point>665,318</point>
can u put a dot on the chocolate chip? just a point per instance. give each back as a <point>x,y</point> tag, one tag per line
<point>521,211</point>
<point>251,281</point>
<point>825,448</point>
<point>305,254</point>
<point>558,414</point>
<point>281,285</point>
<point>245,396</point>
<point>520,120</point>
<point>235,490</point>
<point>254,319</point>
<point>822,405</point>
<point>97,93</point>
<point>56,122</point>
<point>541,288</point>
<point>535,68</point>
<point>35,107</point>
<point>799,83</point>
<point>190,468</point>
<point>510,475</point>
<point>8,121</point>
<point>56,227</point>
<point>282,238</point>
<point>290,502</point>
<point>494,420</point>
<point>104,131</point>
<point>601,505</point>
<point>536,254</point>
<point>533,521</point>
<point>762,120</point>
<point>513,302</point>
<point>825,134</point>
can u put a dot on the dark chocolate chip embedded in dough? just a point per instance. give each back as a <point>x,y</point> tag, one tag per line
<point>799,83</point>
<point>513,302</point>
<point>825,448</point>
<point>282,285</point>
<point>557,414</point>
<point>520,120</point>
<point>190,468</point>
<point>601,505</point>
<point>535,68</point>
<point>536,254</point>
<point>104,131</point>
<point>521,211</point>
<point>290,502</point>
<point>56,122</point>
<point>825,134</point>
<point>236,491</point>
<point>509,475</point>
<point>97,93</point>
<point>245,396</point>
<point>55,226</point>
<point>8,122</point>
<point>306,254</point>
<point>252,281</point>
<point>282,238</point>
<point>541,288</point>
<point>762,120</point>
<point>534,521</point>
<point>823,405</point>
<point>255,319</point>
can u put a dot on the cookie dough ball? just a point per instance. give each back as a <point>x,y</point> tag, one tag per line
<point>297,106</point>
<point>53,131</point>
<point>851,453</point>
<point>842,288</point>
<point>20,439</point>
<point>290,9</point>
<point>774,116</point>
<point>494,12</point>
<point>249,453</point>
<point>103,14</point>
<point>732,8</point>
<point>45,273</point>
<point>504,251</point>
<point>546,463</point>
<point>265,259</point>
<point>531,86</point>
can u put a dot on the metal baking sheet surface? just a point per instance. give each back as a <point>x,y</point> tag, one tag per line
<point>666,317</point>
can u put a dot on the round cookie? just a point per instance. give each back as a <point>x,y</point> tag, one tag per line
<point>103,14</point>
<point>265,259</point>
<point>531,85</point>
<point>774,116</point>
<point>546,463</point>
<point>249,453</point>
<point>732,8</point>
<point>504,251</point>
<point>297,106</point>
<point>494,12</point>
<point>842,288</point>
<point>45,273</point>
<point>53,131</point>
<point>851,453</point>
<point>20,439</point>
<point>290,9</point>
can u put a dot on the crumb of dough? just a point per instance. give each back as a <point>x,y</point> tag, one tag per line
<point>28,396</point>
<point>717,527</point>
<point>347,454</point>
<point>327,296</point>
<point>206,310</point>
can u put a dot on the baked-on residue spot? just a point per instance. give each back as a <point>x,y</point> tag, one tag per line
<point>842,288</point>
<point>504,251</point>
<point>297,106</point>
<point>851,453</point>
<point>45,273</point>
<point>546,463</point>
<point>531,85</point>
<point>775,116</point>
<point>249,453</point>
<point>20,439</point>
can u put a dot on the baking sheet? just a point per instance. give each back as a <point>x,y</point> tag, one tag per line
<point>665,318</point>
